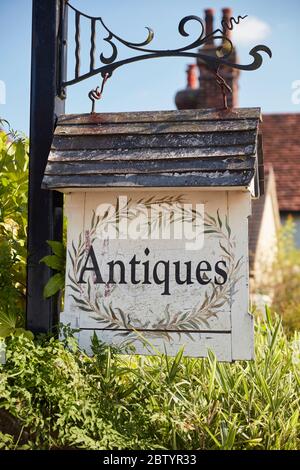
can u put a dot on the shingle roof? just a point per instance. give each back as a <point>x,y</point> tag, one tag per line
<point>199,148</point>
<point>281,142</point>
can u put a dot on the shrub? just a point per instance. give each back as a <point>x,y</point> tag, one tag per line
<point>287,288</point>
<point>283,279</point>
<point>13,223</point>
<point>61,398</point>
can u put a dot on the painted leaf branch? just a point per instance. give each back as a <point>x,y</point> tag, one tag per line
<point>202,312</point>
<point>91,301</point>
<point>112,318</point>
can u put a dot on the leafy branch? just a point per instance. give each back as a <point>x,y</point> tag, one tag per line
<point>57,262</point>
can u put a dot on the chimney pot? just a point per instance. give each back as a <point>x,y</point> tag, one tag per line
<point>192,78</point>
<point>227,14</point>
<point>209,24</point>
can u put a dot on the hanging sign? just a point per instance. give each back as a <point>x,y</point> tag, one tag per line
<point>160,270</point>
<point>157,246</point>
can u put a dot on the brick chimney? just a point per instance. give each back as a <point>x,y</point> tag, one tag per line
<point>187,98</point>
<point>208,94</point>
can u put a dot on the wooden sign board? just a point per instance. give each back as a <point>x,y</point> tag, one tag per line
<point>136,278</point>
<point>158,206</point>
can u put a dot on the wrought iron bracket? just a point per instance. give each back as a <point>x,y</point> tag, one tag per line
<point>106,65</point>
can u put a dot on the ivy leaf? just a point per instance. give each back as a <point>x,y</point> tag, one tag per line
<point>53,262</point>
<point>57,248</point>
<point>54,285</point>
<point>6,331</point>
<point>22,332</point>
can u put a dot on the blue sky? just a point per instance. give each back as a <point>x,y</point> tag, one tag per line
<point>151,85</point>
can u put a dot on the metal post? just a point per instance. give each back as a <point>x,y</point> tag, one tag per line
<point>45,208</point>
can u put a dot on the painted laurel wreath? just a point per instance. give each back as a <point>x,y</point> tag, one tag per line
<point>90,300</point>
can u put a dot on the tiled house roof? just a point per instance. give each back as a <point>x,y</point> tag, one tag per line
<point>281,141</point>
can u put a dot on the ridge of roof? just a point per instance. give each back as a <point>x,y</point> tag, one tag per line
<point>157,116</point>
<point>194,148</point>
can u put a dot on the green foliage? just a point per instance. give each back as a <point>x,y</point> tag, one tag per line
<point>287,288</point>
<point>13,223</point>
<point>284,278</point>
<point>64,399</point>
<point>6,441</point>
<point>9,326</point>
<point>57,262</point>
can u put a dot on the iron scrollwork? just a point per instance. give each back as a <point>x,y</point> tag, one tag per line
<point>108,64</point>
